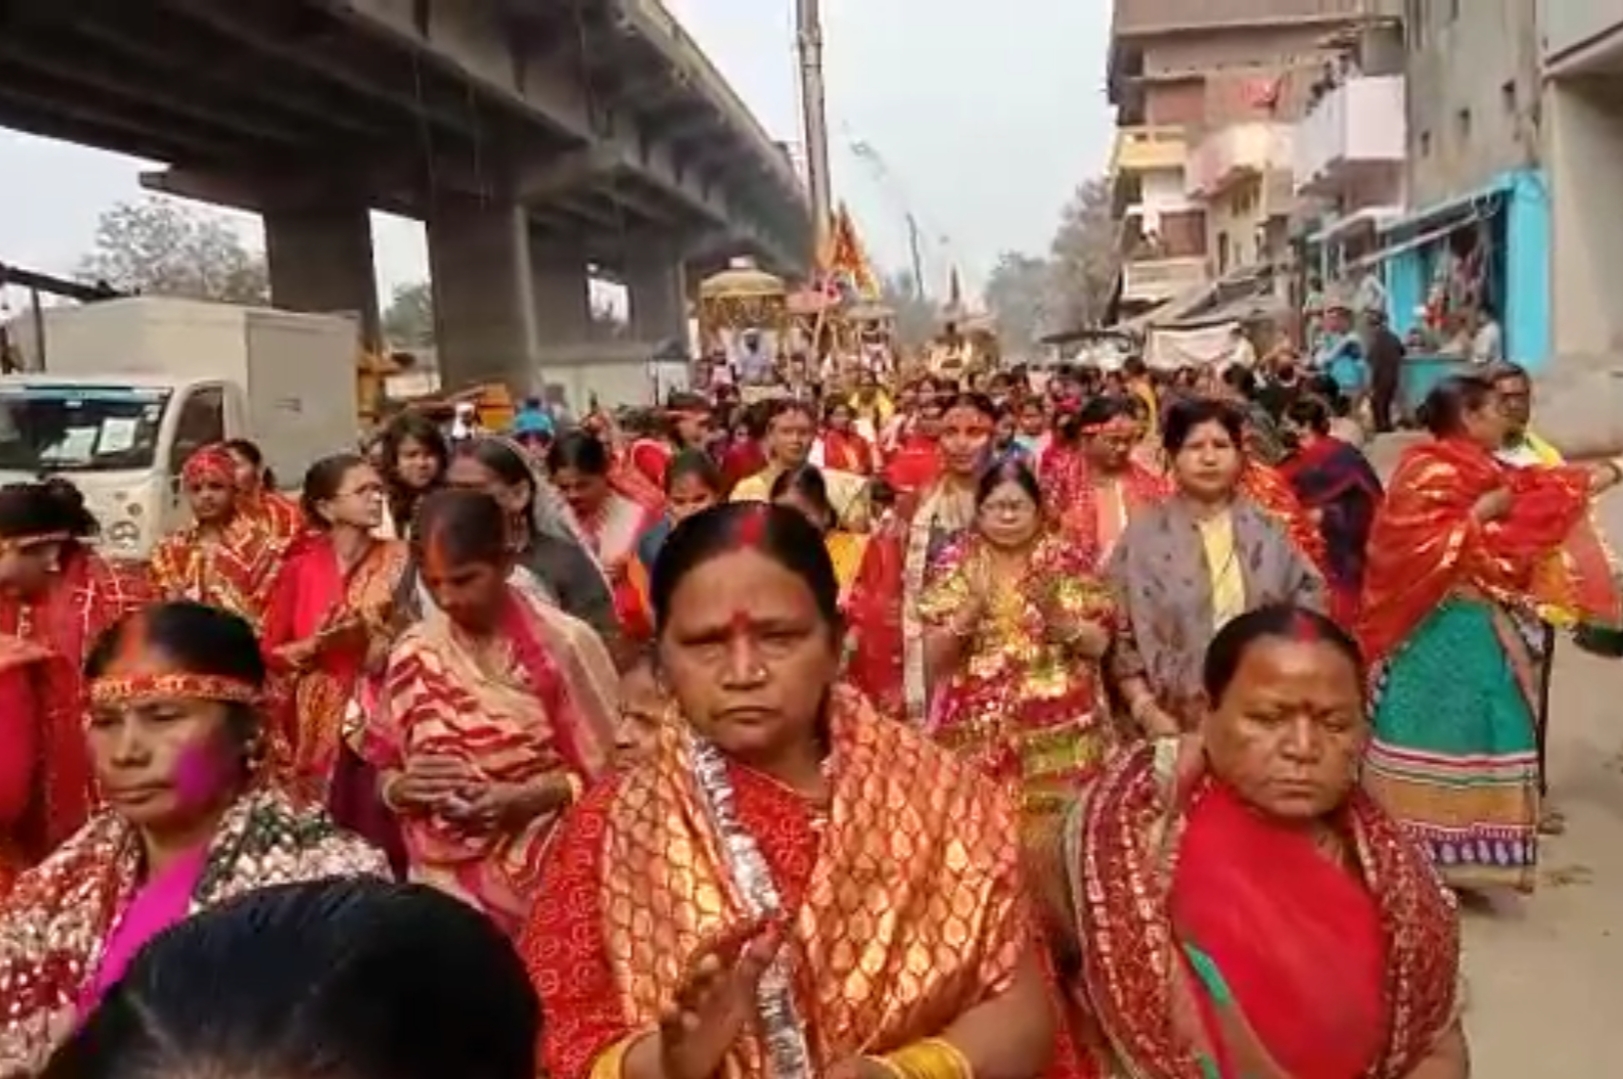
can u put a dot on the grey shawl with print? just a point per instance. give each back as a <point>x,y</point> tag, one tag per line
<point>1163,591</point>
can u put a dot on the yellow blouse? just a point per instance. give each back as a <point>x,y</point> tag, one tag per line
<point>1223,564</point>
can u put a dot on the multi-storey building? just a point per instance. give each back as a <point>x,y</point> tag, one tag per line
<point>1582,113</point>
<point>1475,237</point>
<point>1207,94</point>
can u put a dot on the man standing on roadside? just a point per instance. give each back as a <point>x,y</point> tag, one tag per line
<point>1385,351</point>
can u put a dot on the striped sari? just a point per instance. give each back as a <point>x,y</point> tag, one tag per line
<point>536,698</point>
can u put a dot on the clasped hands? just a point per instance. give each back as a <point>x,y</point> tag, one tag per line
<point>453,789</point>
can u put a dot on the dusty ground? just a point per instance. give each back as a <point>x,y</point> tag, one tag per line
<point>1545,973</point>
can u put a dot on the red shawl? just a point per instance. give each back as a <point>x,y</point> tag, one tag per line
<point>1324,965</point>
<point>1425,543</point>
<point>847,452</point>
<point>83,600</point>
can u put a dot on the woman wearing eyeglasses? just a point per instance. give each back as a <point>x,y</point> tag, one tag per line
<point>1014,628</point>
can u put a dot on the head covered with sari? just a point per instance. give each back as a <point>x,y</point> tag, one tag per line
<point>1243,907</point>
<point>706,836</point>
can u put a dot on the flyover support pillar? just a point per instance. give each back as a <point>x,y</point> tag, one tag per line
<point>479,258</point>
<point>656,280</point>
<point>320,259</point>
<point>561,291</point>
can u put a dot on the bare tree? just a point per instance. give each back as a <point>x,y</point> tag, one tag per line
<point>409,320</point>
<point>1085,256</point>
<point>1021,291</point>
<point>160,247</point>
<point>916,319</point>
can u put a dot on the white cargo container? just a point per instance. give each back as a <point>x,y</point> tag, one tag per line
<point>130,388</point>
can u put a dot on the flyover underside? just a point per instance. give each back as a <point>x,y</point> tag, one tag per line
<point>249,98</point>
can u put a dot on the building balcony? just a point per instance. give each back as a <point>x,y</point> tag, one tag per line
<point>1232,153</point>
<point>1582,38</point>
<point>1141,18</point>
<point>1146,148</point>
<point>1156,280</point>
<point>1357,129</point>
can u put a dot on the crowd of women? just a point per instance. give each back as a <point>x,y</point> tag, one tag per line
<point>922,731</point>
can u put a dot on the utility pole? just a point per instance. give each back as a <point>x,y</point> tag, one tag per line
<point>814,113</point>
<point>918,256</point>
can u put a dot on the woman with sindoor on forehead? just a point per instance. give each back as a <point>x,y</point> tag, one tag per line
<point>1230,538</point>
<point>192,817</point>
<point>226,557</point>
<point>1242,909</point>
<point>1015,624</point>
<point>714,908</point>
<point>498,710</point>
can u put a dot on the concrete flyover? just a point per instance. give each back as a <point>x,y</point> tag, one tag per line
<point>534,137</point>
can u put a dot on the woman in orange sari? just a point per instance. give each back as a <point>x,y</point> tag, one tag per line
<point>226,557</point>
<point>331,614</point>
<point>1015,624</point>
<point>57,596</point>
<point>1242,909</point>
<point>613,510</point>
<point>499,709</point>
<point>258,497</point>
<point>1463,551</point>
<point>788,885</point>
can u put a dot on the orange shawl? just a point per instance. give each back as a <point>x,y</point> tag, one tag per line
<point>235,574</point>
<point>913,913</point>
<point>1425,543</point>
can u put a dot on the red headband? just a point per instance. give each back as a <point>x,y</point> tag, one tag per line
<point>212,462</point>
<point>1116,425</point>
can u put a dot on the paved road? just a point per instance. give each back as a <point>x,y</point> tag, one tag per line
<point>1545,973</point>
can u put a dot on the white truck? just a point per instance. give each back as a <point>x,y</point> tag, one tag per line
<point>128,389</point>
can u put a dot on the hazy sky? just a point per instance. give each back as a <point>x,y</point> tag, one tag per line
<point>984,115</point>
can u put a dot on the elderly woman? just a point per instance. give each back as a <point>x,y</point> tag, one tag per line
<point>787,885</point>
<point>1250,912</point>
<point>1014,628</point>
<point>1231,538</point>
<point>176,742</point>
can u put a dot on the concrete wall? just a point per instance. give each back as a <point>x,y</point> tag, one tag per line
<point>1575,24</point>
<point>1211,50</point>
<point>1473,86</point>
<point>1581,395</point>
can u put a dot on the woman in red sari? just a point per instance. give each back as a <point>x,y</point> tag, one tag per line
<point>1015,625</point>
<point>258,497</point>
<point>331,614</point>
<point>1091,484</point>
<point>57,596</point>
<point>227,556</point>
<point>1283,925</point>
<point>1340,491</point>
<point>842,447</point>
<point>498,711</point>
<point>613,510</point>
<point>787,885</point>
<point>25,773</point>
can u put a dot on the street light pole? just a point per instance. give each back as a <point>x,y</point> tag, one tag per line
<point>814,114</point>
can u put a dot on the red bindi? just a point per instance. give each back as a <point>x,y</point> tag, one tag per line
<point>740,622</point>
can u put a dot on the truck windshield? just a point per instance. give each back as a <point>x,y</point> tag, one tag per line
<point>79,428</point>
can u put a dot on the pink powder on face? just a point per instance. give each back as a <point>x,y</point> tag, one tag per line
<point>201,775</point>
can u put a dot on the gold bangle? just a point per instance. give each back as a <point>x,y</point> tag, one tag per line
<point>931,1058</point>
<point>611,1062</point>
<point>576,787</point>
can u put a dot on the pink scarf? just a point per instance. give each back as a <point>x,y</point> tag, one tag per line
<point>159,904</point>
